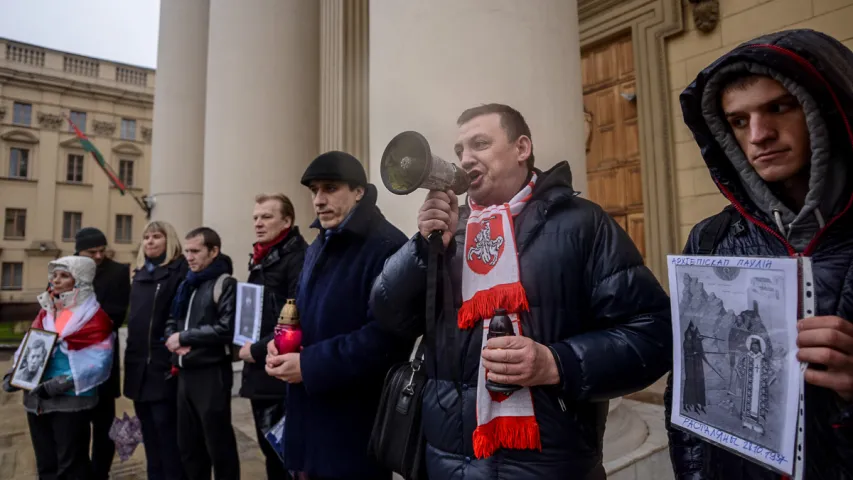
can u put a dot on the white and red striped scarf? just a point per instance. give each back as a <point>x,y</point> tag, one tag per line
<point>491,280</point>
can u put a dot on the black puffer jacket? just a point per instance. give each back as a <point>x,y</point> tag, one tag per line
<point>209,328</point>
<point>146,359</point>
<point>591,299</point>
<point>819,71</point>
<point>279,273</point>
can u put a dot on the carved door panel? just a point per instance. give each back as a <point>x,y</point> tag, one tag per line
<point>614,174</point>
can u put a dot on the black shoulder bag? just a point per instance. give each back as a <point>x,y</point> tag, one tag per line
<point>397,441</point>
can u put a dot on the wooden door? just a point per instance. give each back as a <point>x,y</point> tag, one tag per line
<point>614,176</point>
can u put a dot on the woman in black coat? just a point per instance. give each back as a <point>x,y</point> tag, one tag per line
<point>160,268</point>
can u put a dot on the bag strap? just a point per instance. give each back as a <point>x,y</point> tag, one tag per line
<point>715,230</point>
<point>435,246</point>
<point>217,287</point>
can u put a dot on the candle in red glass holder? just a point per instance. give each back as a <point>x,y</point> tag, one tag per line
<point>288,332</point>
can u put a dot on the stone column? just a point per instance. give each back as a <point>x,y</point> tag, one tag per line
<point>429,61</point>
<point>177,165</point>
<point>344,50</point>
<point>262,118</point>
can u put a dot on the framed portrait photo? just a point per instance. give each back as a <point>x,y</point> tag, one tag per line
<point>248,314</point>
<point>35,353</point>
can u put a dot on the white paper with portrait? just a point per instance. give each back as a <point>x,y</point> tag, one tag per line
<point>736,379</point>
<point>248,313</point>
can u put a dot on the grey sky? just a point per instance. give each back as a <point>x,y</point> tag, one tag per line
<point>119,30</point>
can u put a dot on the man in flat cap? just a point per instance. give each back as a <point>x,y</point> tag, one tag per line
<point>112,290</point>
<point>335,382</point>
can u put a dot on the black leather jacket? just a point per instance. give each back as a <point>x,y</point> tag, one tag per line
<point>602,312</point>
<point>279,273</point>
<point>208,328</point>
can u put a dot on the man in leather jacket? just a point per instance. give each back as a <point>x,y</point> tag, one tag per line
<point>275,263</point>
<point>596,324</point>
<point>773,121</point>
<point>199,333</point>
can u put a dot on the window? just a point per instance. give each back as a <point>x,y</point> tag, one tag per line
<point>74,172</point>
<point>13,276</point>
<point>19,162</point>
<point>72,222</point>
<point>79,119</point>
<point>16,224</point>
<point>22,114</point>
<point>124,229</point>
<point>125,172</point>
<point>128,129</point>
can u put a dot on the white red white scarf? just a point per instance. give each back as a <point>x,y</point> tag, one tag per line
<point>491,280</point>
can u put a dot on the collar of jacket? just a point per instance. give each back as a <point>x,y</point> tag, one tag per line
<point>358,222</point>
<point>142,274</point>
<point>278,250</point>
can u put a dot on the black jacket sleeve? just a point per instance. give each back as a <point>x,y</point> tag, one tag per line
<point>221,332</point>
<point>399,291</point>
<point>628,344</point>
<point>293,268</point>
<point>116,301</point>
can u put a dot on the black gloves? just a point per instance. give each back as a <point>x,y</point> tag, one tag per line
<point>53,387</point>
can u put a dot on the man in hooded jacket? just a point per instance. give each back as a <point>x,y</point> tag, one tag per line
<point>773,121</point>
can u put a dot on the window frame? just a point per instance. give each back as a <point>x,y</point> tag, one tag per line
<point>11,287</point>
<point>26,158</point>
<point>22,212</point>
<point>66,227</point>
<point>29,113</point>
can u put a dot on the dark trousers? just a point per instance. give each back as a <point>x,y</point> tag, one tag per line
<point>61,444</point>
<point>205,435</point>
<point>267,413</point>
<point>103,447</point>
<point>159,421</point>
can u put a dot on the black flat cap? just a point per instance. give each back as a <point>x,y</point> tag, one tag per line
<point>335,165</point>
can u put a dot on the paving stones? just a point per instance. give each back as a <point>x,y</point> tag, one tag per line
<point>17,461</point>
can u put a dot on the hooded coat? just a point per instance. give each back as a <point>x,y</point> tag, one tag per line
<point>603,314</point>
<point>818,71</point>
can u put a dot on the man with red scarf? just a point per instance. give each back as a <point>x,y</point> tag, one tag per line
<point>275,263</point>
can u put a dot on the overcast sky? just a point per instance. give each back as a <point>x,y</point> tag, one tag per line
<point>119,30</point>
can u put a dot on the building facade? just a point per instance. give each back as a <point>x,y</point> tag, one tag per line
<point>50,187</point>
<point>247,97</point>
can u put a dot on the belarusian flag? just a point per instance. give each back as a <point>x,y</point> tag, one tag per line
<point>90,147</point>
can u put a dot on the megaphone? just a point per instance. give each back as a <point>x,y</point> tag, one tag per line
<point>408,164</point>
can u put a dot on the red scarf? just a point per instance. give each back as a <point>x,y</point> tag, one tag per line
<point>262,249</point>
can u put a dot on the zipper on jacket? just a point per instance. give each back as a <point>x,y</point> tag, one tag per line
<point>151,321</point>
<point>562,403</point>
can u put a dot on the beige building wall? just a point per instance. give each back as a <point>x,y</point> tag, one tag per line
<point>690,52</point>
<point>55,84</point>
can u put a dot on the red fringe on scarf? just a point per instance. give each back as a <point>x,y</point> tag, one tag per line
<point>519,433</point>
<point>509,296</point>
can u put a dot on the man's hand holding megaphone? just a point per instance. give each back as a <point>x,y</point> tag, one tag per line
<point>440,211</point>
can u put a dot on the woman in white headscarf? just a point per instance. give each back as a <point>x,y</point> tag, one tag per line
<point>58,408</point>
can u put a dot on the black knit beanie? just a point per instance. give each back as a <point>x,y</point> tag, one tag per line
<point>89,237</point>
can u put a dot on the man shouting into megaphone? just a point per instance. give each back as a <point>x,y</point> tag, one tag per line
<point>589,322</point>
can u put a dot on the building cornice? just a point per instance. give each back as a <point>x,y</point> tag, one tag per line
<point>55,84</point>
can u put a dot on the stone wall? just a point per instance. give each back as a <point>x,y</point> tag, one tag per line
<point>691,51</point>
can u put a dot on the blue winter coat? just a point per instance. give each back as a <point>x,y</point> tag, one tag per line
<point>345,356</point>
